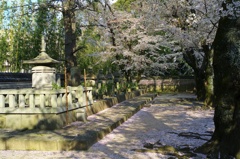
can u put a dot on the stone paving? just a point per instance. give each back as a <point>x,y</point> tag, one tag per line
<point>162,120</point>
<point>76,136</point>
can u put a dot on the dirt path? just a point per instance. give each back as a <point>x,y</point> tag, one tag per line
<point>170,120</point>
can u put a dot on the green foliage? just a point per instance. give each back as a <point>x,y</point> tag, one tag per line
<point>90,45</point>
<point>159,32</point>
<point>106,89</point>
<point>124,5</point>
<point>133,85</point>
<point>126,86</point>
<point>110,87</point>
<point>3,51</point>
<point>122,87</point>
<point>164,50</point>
<point>55,86</point>
<point>103,89</point>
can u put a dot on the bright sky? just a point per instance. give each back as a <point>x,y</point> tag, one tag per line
<point>113,1</point>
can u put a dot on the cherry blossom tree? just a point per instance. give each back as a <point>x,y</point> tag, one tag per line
<point>193,25</point>
<point>163,33</point>
<point>140,46</point>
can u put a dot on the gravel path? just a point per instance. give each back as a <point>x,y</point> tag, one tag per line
<point>170,120</point>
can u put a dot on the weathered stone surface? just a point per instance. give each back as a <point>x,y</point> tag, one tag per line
<point>43,77</point>
<point>74,137</point>
<point>42,58</point>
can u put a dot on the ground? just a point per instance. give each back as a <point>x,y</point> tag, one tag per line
<point>172,125</point>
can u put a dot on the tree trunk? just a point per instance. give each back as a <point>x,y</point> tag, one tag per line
<point>208,73</point>
<point>227,88</point>
<point>226,64</point>
<point>70,36</point>
<point>200,84</point>
<point>203,73</point>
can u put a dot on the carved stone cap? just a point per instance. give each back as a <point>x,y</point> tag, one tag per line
<point>42,58</point>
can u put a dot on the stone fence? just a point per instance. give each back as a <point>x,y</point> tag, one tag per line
<point>169,84</point>
<point>45,109</point>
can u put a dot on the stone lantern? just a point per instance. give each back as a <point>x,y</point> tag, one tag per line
<point>100,78</point>
<point>117,79</point>
<point>110,82</point>
<point>91,77</point>
<point>110,76</point>
<point>43,74</point>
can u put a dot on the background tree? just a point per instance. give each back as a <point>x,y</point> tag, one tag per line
<point>69,10</point>
<point>3,35</point>
<point>91,44</point>
<point>17,28</point>
<point>69,18</point>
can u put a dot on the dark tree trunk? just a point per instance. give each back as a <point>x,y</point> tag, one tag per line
<point>70,35</point>
<point>226,63</point>
<point>203,73</point>
<point>199,76</point>
<point>226,87</point>
<point>200,87</point>
<point>208,73</point>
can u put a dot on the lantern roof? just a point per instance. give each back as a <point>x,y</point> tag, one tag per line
<point>42,58</point>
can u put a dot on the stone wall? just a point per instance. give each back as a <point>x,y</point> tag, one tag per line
<point>169,85</point>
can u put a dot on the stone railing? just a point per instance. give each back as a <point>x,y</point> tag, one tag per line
<point>33,101</point>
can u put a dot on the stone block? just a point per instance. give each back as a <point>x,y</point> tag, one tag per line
<point>16,143</point>
<point>13,121</point>
<point>2,121</point>
<point>43,77</point>
<point>81,114</point>
<point>3,144</point>
<point>47,145</point>
<point>29,121</point>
